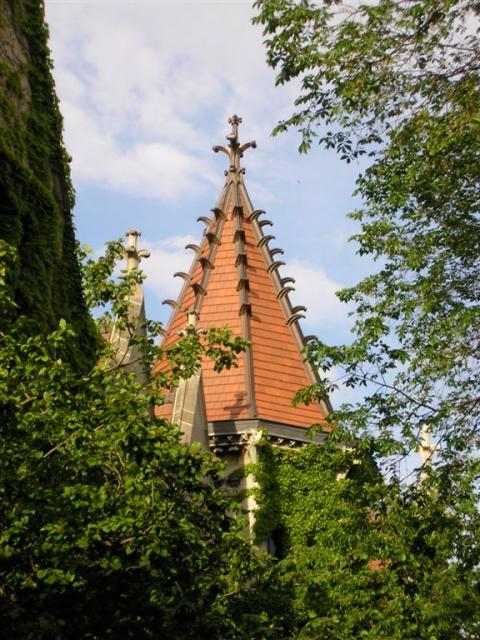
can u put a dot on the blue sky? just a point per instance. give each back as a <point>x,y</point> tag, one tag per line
<point>146,89</point>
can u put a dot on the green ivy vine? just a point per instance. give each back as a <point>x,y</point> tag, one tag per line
<point>314,511</point>
<point>297,485</point>
<point>37,192</point>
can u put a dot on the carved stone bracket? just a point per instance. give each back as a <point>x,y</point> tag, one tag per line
<point>229,443</point>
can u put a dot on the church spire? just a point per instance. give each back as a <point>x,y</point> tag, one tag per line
<point>235,280</point>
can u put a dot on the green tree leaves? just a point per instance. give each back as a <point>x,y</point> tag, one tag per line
<point>36,192</point>
<point>398,82</point>
<point>110,527</point>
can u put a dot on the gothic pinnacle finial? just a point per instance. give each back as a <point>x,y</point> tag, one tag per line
<point>132,254</point>
<point>235,150</point>
<point>191,326</point>
<point>234,121</point>
<point>426,450</point>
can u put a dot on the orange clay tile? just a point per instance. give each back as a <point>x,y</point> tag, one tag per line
<point>239,286</point>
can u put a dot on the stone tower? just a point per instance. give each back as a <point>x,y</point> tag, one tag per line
<point>235,280</point>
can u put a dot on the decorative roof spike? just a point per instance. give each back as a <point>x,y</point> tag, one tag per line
<point>219,213</point>
<point>198,289</point>
<point>205,262</point>
<point>264,240</point>
<point>275,265</point>
<point>299,308</point>
<point>241,259</point>
<point>193,247</point>
<point>132,254</point>
<point>246,309</point>
<point>265,223</point>
<point>243,283</point>
<point>239,235</point>
<point>205,220</point>
<point>171,303</point>
<point>212,237</point>
<point>309,338</point>
<point>284,291</point>
<point>235,150</point>
<point>287,279</point>
<point>254,215</point>
<point>277,251</point>
<point>182,274</point>
<point>294,318</point>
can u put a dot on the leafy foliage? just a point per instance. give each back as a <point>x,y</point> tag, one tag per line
<point>359,558</point>
<point>37,194</point>
<point>110,527</point>
<point>399,81</point>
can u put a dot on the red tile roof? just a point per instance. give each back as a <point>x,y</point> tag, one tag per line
<point>234,281</point>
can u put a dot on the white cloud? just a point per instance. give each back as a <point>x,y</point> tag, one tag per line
<point>315,290</point>
<point>148,168</point>
<point>166,258</point>
<point>146,89</point>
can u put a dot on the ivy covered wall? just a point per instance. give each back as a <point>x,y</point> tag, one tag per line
<point>313,508</point>
<point>303,490</point>
<point>37,196</point>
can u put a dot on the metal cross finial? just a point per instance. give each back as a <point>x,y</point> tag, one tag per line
<point>235,150</point>
<point>132,254</point>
